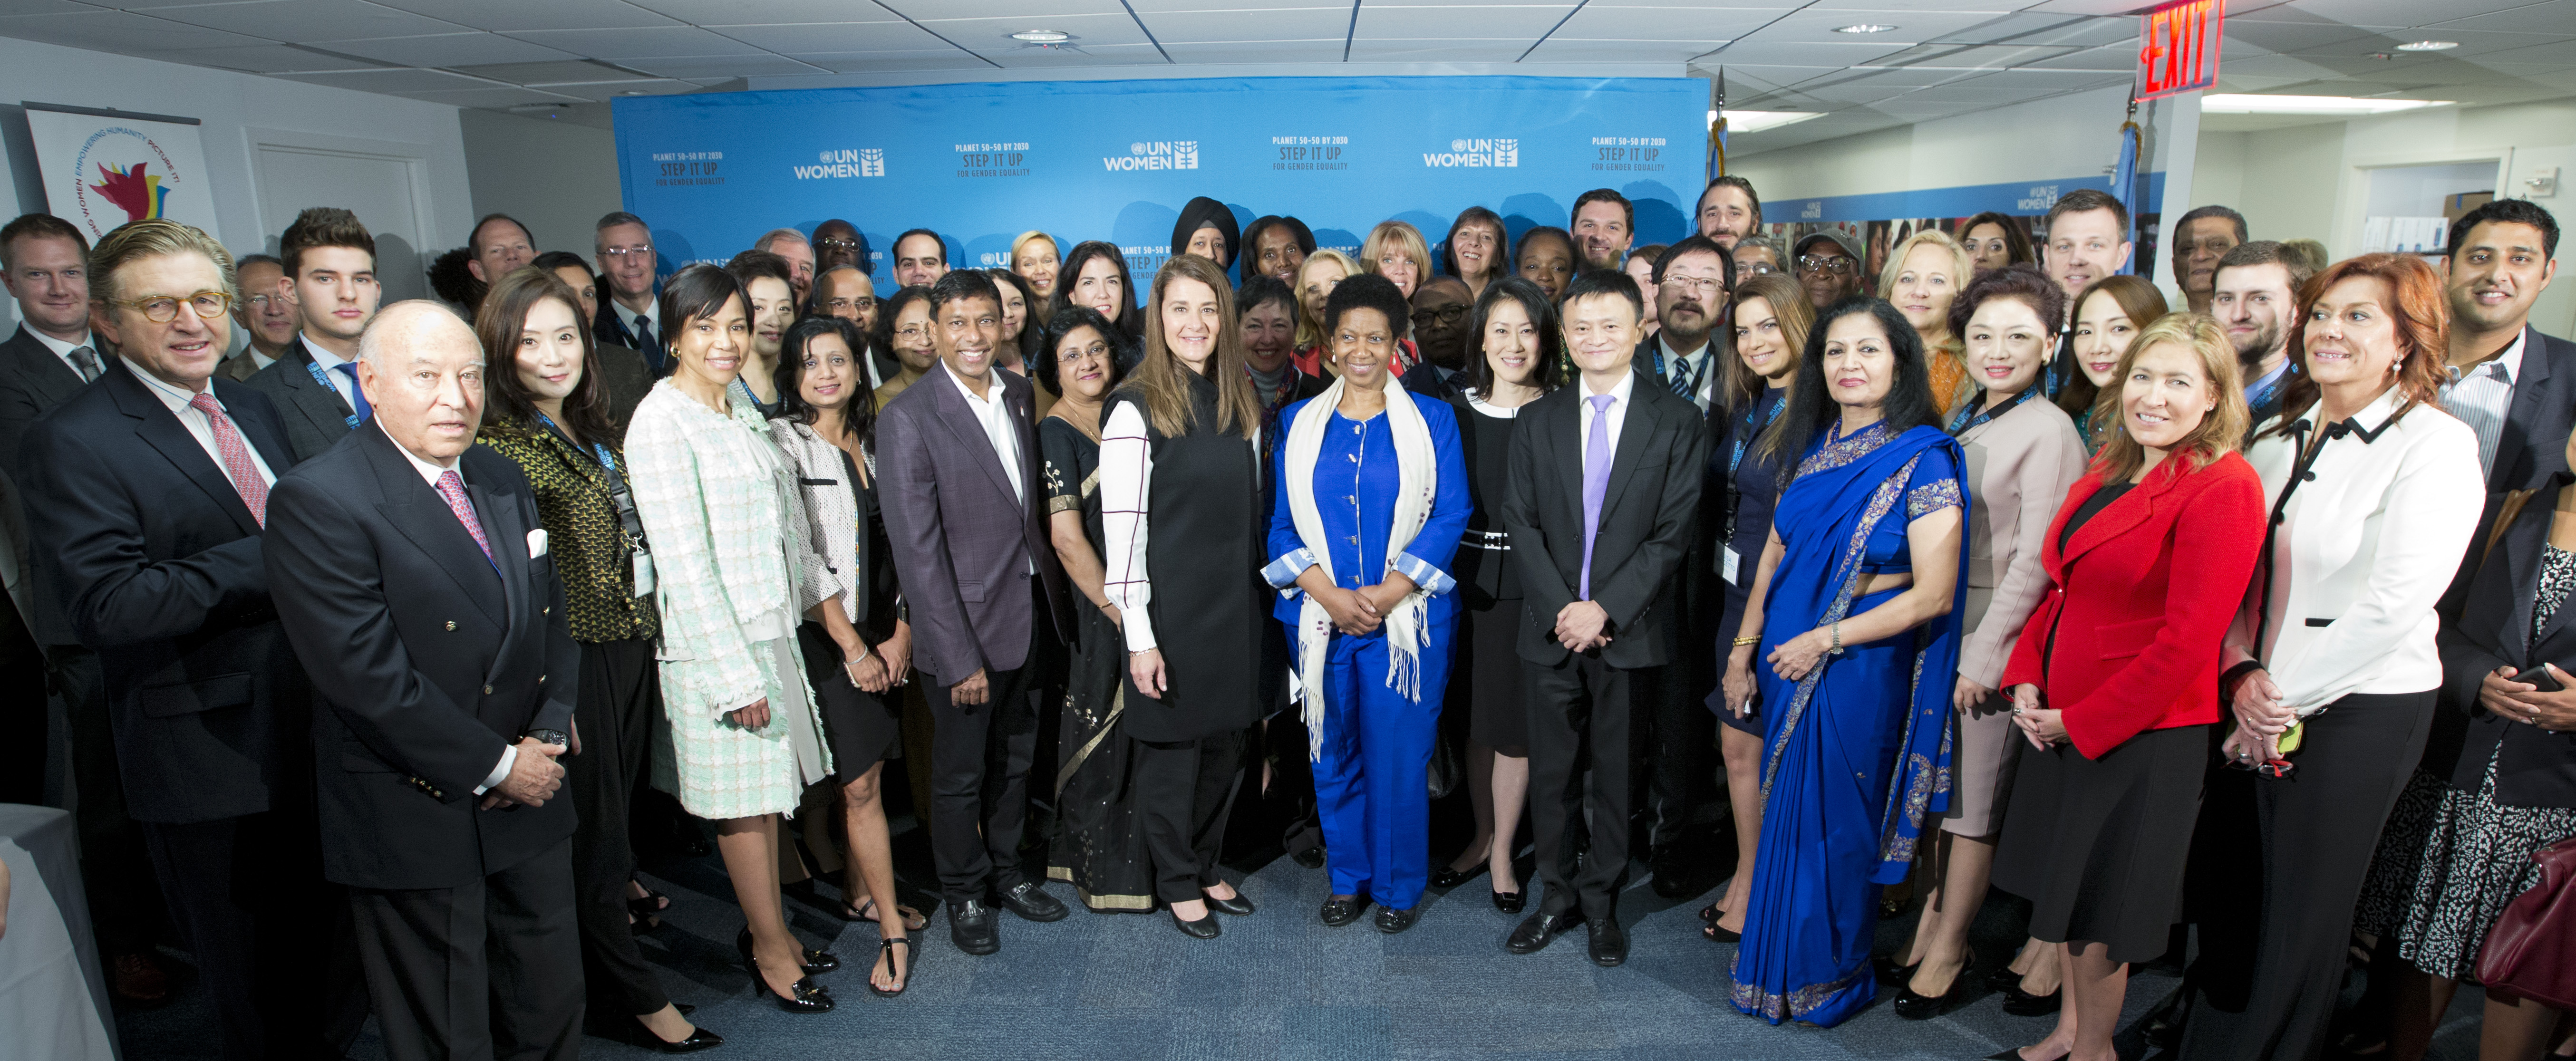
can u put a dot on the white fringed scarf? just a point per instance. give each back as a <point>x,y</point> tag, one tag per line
<point>1418,483</point>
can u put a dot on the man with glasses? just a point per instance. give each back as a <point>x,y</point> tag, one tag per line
<point>266,316</point>
<point>1757,256</point>
<point>837,244</point>
<point>147,494</point>
<point>1440,333</point>
<point>330,264</point>
<point>631,315</point>
<point>1828,268</point>
<point>844,291</point>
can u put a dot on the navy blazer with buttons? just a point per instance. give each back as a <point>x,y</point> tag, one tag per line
<point>2486,624</point>
<point>2533,445</point>
<point>316,417</point>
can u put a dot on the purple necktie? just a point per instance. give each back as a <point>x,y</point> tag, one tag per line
<point>1596,484</point>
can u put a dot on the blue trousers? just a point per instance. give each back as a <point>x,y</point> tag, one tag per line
<point>1372,777</point>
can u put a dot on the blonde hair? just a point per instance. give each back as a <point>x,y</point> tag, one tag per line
<point>1309,332</point>
<point>1406,238</point>
<point>1162,383</point>
<point>1963,269</point>
<point>1023,239</point>
<point>153,238</point>
<point>2219,431</point>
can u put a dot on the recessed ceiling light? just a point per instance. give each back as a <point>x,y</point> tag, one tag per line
<point>1866,27</point>
<point>2428,46</point>
<point>1756,121</point>
<point>1042,36</point>
<point>632,92</point>
<point>2227,103</point>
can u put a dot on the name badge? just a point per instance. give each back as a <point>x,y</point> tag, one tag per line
<point>643,573</point>
<point>1732,561</point>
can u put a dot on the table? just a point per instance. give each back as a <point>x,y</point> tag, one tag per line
<point>53,995</point>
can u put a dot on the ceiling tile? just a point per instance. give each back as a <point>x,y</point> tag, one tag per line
<point>535,14</point>
<point>940,58</point>
<point>2555,16</point>
<point>449,49</point>
<point>261,59</point>
<point>1088,55</point>
<point>1283,25</point>
<point>43,7</point>
<point>1309,51</point>
<point>393,81</point>
<point>119,32</point>
<point>1900,79</point>
<point>605,92</point>
<point>638,42</point>
<point>1965,56</point>
<point>1434,26</point>
<point>2119,57</point>
<point>1817,25</point>
<point>494,98</point>
<point>720,68</point>
<point>1150,8</point>
<point>2046,29</point>
<point>834,37</point>
<point>2394,13</point>
<point>306,21</point>
<point>1561,50</point>
<point>1451,51</point>
<point>985,35</point>
<point>1041,11</point>
<point>561,72</point>
<point>1596,22</point>
<point>1755,51</point>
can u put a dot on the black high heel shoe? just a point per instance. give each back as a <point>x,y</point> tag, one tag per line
<point>811,962</point>
<point>634,1033</point>
<point>1445,878</point>
<point>1510,902</point>
<point>1913,1006</point>
<point>805,996</point>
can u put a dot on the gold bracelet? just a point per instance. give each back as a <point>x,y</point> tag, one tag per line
<point>1743,641</point>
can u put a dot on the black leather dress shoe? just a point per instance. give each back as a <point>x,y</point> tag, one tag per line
<point>1673,877</point>
<point>1445,878</point>
<point>1510,902</point>
<point>1609,946</point>
<point>1915,1006</point>
<point>1537,930</point>
<point>1203,928</point>
<point>971,926</point>
<point>1031,902</point>
<point>1341,910</point>
<point>1391,920</point>
<point>1234,905</point>
<point>1888,972</point>
<point>633,1033</point>
<point>2022,1003</point>
<point>1311,858</point>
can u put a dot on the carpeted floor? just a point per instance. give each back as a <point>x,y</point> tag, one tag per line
<point>1277,985</point>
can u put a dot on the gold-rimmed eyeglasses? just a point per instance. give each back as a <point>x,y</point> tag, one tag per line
<point>162,309</point>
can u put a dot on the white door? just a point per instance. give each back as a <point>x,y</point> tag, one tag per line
<point>382,188</point>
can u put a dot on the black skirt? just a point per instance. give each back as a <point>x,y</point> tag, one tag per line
<point>1498,704</point>
<point>2098,846</point>
<point>863,728</point>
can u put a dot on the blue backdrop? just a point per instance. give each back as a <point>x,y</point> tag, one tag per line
<point>1116,160</point>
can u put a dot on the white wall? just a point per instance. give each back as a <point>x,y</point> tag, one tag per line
<point>2059,136</point>
<point>555,177</point>
<point>231,106</point>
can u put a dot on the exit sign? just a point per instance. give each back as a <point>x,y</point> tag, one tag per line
<point>2180,49</point>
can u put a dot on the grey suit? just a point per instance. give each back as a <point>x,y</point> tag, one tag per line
<point>315,415</point>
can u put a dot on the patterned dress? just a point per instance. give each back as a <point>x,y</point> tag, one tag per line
<point>2450,860</point>
<point>720,508</point>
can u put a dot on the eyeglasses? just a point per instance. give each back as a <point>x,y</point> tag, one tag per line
<point>261,302</point>
<point>1442,315</point>
<point>912,331</point>
<point>860,304</point>
<point>1754,269</point>
<point>1096,349</point>
<point>1708,285</point>
<point>162,309</point>
<point>1819,263</point>
<point>620,253</point>
<point>838,244</point>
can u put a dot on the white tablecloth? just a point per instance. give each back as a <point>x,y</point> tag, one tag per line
<point>53,997</point>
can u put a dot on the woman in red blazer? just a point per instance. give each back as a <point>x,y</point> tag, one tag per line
<point>2115,678</point>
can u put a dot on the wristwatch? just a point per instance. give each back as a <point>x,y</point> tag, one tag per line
<point>554,737</point>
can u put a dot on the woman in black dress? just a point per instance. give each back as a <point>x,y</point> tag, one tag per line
<point>1100,851</point>
<point>857,646</point>
<point>1181,500</point>
<point>1515,327</point>
<point>1772,318</point>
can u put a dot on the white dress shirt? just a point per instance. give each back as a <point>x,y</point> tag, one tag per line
<point>197,423</point>
<point>994,417</point>
<point>2481,395</point>
<point>1617,412</point>
<point>429,473</point>
<point>1126,496</point>
<point>651,315</point>
<point>1700,360</point>
<point>64,350</point>
<point>344,382</point>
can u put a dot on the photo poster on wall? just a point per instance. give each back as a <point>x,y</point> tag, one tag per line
<point>104,168</point>
<point>1877,239</point>
<point>1874,225</point>
<point>1117,160</point>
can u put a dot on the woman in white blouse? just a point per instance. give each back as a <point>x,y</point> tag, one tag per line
<point>2332,669</point>
<point>1181,520</point>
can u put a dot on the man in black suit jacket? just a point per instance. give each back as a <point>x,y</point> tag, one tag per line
<point>413,576</point>
<point>331,268</point>
<point>146,493</point>
<point>2514,385</point>
<point>1605,493</point>
<point>44,263</point>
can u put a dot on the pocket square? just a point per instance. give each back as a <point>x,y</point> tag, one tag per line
<point>536,543</point>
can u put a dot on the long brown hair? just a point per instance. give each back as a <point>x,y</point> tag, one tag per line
<point>2138,300</point>
<point>2121,455</point>
<point>1161,383</point>
<point>503,315</point>
<point>1797,317</point>
<point>2423,320</point>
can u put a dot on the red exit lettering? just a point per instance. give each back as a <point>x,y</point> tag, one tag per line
<point>2179,49</point>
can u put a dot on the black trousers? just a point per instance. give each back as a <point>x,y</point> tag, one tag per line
<point>1680,735</point>
<point>1184,793</point>
<point>24,721</point>
<point>270,937</point>
<point>124,903</point>
<point>2319,828</point>
<point>487,971</point>
<point>1581,720</point>
<point>614,711</point>
<point>979,778</point>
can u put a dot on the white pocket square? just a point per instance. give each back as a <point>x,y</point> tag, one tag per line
<point>536,543</point>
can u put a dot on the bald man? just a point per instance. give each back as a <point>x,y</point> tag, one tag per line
<point>414,579</point>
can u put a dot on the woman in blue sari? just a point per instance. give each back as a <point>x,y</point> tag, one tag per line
<point>1854,619</point>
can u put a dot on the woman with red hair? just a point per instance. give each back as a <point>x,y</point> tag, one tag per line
<point>2332,669</point>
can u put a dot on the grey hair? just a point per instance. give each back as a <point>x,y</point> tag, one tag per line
<point>396,317</point>
<point>1762,243</point>
<point>776,234</point>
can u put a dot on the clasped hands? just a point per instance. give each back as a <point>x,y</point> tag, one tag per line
<point>2043,727</point>
<point>534,776</point>
<point>2261,718</point>
<point>2524,702</point>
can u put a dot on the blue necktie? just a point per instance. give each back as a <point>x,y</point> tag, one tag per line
<point>1686,378</point>
<point>357,394</point>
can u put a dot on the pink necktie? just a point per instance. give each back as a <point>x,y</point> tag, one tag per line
<point>452,487</point>
<point>238,466</point>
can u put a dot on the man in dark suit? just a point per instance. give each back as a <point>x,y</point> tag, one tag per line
<point>146,493</point>
<point>2512,384</point>
<point>1605,492</point>
<point>44,264</point>
<point>622,368</point>
<point>958,459</point>
<point>1693,281</point>
<point>630,315</point>
<point>413,577</point>
<point>331,270</point>
<point>1440,309</point>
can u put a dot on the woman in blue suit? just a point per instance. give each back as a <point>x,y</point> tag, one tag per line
<point>1371,499</point>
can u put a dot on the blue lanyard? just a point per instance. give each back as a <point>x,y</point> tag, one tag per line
<point>1746,432</point>
<point>607,459</point>
<point>2264,392</point>
<point>324,378</point>
<point>1962,422</point>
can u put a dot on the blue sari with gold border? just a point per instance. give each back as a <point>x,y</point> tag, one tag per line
<point>1856,756</point>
